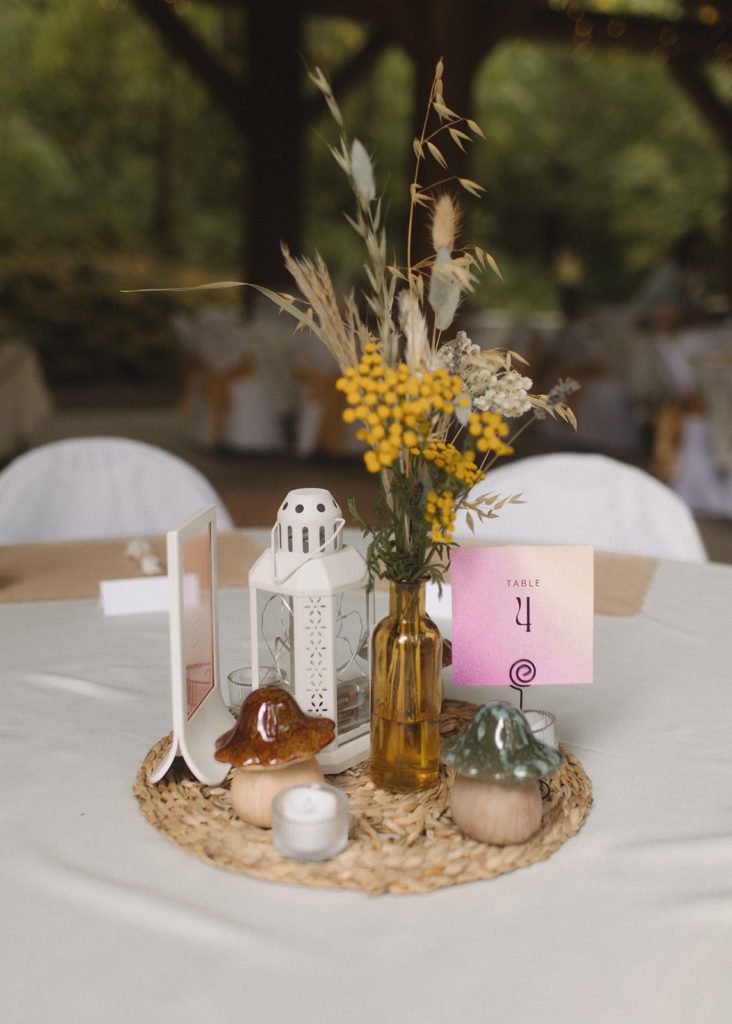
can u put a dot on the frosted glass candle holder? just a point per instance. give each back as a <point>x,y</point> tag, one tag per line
<point>543,725</point>
<point>310,822</point>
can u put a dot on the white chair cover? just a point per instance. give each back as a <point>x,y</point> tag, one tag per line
<point>587,499</point>
<point>630,354</point>
<point>703,476</point>
<point>99,487</point>
<point>605,418</point>
<point>219,340</point>
<point>317,372</point>
<point>714,376</point>
<point>696,479</point>
<point>680,354</point>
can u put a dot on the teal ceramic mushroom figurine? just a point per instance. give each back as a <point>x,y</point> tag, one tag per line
<point>496,797</point>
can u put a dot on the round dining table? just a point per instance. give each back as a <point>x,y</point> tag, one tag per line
<point>104,920</point>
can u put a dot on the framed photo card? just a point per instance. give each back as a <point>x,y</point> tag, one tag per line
<point>200,714</point>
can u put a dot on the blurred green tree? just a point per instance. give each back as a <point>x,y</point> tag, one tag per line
<point>106,146</point>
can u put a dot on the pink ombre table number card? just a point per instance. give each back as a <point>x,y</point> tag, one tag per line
<point>522,616</point>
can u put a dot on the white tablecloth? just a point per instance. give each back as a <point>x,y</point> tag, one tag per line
<point>103,920</point>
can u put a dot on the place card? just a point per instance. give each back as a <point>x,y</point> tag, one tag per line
<point>522,616</point>
<point>136,596</point>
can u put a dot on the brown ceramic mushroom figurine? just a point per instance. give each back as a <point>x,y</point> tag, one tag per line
<point>495,797</point>
<point>272,746</point>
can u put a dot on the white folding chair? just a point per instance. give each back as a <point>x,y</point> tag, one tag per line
<point>587,499</point>
<point>99,487</point>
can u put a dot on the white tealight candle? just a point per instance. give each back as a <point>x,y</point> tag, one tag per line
<point>543,725</point>
<point>310,822</point>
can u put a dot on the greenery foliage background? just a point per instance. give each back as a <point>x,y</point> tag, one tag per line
<point>604,156</point>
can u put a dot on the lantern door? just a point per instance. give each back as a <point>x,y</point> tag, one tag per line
<point>272,634</point>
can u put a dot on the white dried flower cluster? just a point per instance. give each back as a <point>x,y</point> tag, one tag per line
<point>488,379</point>
<point>506,394</point>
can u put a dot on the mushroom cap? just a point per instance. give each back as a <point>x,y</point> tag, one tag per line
<point>498,745</point>
<point>272,731</point>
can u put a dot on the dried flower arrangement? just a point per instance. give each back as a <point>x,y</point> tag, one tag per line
<point>432,412</point>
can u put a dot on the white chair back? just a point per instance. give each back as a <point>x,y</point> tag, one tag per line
<point>696,479</point>
<point>587,499</point>
<point>99,487</point>
<point>214,335</point>
<point>245,365</point>
<point>714,376</point>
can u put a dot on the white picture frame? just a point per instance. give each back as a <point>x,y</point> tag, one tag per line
<point>200,714</point>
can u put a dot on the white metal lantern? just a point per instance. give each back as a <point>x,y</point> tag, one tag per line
<point>311,615</point>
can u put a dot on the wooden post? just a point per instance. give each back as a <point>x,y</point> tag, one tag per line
<point>272,200</point>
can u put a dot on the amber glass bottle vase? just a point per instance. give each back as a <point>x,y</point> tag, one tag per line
<point>406,693</point>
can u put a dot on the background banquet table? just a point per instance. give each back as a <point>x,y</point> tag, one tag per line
<point>631,920</point>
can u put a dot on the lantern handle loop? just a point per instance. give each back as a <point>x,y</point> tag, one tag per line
<point>339,529</point>
<point>340,523</point>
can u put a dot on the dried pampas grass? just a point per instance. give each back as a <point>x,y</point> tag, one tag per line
<point>445,223</point>
<point>313,280</point>
<point>414,328</point>
<point>363,173</point>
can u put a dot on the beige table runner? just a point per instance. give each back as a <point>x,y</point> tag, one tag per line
<point>73,569</point>
<point>621,583</point>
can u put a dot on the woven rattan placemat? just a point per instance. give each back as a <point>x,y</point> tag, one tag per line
<point>398,843</point>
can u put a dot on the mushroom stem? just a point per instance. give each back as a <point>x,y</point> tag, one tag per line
<point>500,813</point>
<point>254,789</point>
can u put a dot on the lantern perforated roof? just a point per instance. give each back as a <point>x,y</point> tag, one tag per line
<point>309,521</point>
<point>308,554</point>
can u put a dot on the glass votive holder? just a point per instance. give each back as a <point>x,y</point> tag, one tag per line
<point>240,685</point>
<point>543,725</point>
<point>310,822</point>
